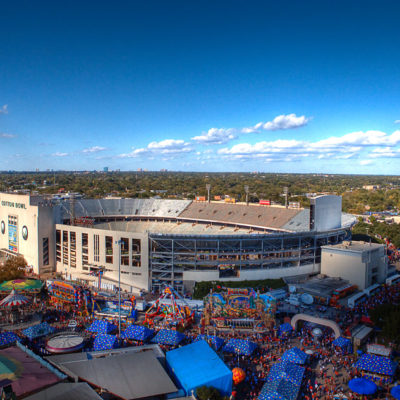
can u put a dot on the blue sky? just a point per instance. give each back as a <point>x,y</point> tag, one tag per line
<point>273,86</point>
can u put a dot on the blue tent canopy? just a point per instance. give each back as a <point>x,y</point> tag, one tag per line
<point>216,341</point>
<point>240,346</point>
<point>395,392</point>
<point>101,326</point>
<point>197,365</point>
<point>376,364</point>
<point>37,331</point>
<point>168,337</point>
<point>7,338</point>
<point>283,382</point>
<point>137,332</point>
<point>362,386</point>
<point>105,342</point>
<point>295,355</point>
<point>343,343</point>
<point>285,328</point>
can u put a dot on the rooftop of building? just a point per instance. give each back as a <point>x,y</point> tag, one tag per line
<point>354,246</point>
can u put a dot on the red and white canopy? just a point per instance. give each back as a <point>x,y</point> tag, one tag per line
<point>14,299</point>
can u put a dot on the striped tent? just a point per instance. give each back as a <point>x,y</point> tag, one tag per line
<point>14,299</point>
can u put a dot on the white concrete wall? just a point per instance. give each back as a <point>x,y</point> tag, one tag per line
<point>19,206</point>
<point>273,273</point>
<point>345,265</point>
<point>131,277</point>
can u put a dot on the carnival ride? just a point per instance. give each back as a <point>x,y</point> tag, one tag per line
<point>170,309</point>
<point>71,294</point>
<point>111,309</point>
<point>239,307</point>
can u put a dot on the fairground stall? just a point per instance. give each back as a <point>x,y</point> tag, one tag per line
<point>239,308</point>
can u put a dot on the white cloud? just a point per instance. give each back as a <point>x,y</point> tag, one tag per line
<point>7,135</point>
<point>366,162</point>
<point>59,154</point>
<point>94,149</point>
<point>4,109</point>
<point>397,121</point>
<point>288,121</point>
<point>169,147</point>
<point>215,136</point>
<point>280,122</point>
<point>385,152</point>
<point>336,147</point>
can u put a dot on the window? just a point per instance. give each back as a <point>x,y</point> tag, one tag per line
<point>85,250</point>
<point>58,245</point>
<point>72,249</point>
<point>45,251</point>
<point>136,250</point>
<point>65,247</point>
<point>96,249</point>
<point>109,249</point>
<point>124,251</point>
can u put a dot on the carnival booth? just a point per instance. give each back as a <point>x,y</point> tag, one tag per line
<point>37,331</point>
<point>295,355</point>
<point>215,341</point>
<point>240,347</point>
<point>105,342</point>
<point>168,337</point>
<point>137,332</point>
<point>283,382</point>
<point>100,326</point>
<point>376,368</point>
<point>7,339</point>
<point>197,365</point>
<point>343,344</point>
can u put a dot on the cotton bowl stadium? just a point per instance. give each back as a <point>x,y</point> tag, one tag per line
<point>155,242</point>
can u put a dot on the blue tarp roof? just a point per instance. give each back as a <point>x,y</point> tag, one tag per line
<point>295,355</point>
<point>283,382</point>
<point>286,327</point>
<point>7,338</point>
<point>216,341</point>
<point>169,337</point>
<point>137,332</point>
<point>240,346</point>
<point>105,342</point>
<point>197,364</point>
<point>376,364</point>
<point>341,342</point>
<point>37,331</point>
<point>362,386</point>
<point>101,326</point>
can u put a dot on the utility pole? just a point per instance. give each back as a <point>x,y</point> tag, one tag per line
<point>119,287</point>
<point>246,189</point>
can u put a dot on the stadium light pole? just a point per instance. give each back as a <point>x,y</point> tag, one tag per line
<point>246,189</point>
<point>208,187</point>
<point>119,286</point>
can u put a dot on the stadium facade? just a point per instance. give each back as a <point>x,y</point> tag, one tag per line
<point>156,242</point>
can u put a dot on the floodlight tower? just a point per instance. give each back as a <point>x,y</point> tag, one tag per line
<point>246,189</point>
<point>208,187</point>
<point>285,192</point>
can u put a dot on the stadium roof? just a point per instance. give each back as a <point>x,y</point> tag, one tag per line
<point>133,375</point>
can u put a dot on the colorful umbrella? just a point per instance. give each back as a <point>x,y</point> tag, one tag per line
<point>362,386</point>
<point>14,299</point>
<point>395,392</point>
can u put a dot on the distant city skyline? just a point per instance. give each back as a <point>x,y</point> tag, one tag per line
<point>285,87</point>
